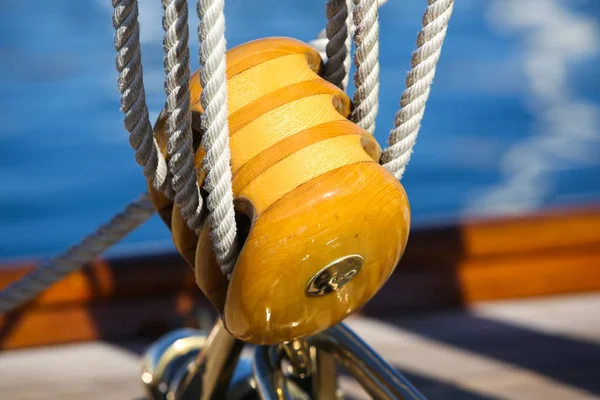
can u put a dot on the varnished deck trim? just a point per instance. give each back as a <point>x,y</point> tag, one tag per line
<point>116,320</point>
<point>106,280</point>
<point>467,263</point>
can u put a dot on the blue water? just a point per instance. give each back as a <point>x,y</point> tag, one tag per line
<point>512,124</point>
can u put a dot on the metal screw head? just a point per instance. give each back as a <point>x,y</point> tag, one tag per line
<point>334,275</point>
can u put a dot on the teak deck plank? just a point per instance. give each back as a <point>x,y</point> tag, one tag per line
<point>513,350</point>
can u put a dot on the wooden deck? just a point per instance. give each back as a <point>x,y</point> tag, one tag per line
<point>545,348</point>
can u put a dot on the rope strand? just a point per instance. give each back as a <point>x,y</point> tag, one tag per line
<point>34,283</point>
<point>133,96</point>
<point>366,59</point>
<point>215,140</point>
<point>418,83</point>
<point>179,117</point>
<point>214,120</point>
<point>339,42</point>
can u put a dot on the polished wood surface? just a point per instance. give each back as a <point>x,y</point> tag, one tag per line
<point>438,270</point>
<point>309,183</point>
<point>346,216</point>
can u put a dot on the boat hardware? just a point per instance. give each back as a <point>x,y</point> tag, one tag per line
<point>207,373</point>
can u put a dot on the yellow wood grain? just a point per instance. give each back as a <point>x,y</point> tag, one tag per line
<point>269,157</point>
<point>309,182</point>
<point>280,123</point>
<point>354,209</point>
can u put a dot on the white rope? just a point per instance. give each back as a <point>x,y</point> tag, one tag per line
<point>147,154</point>
<point>215,139</point>
<point>214,120</point>
<point>366,60</point>
<point>133,96</point>
<point>179,117</point>
<point>34,283</point>
<point>320,44</point>
<point>339,42</point>
<point>418,82</point>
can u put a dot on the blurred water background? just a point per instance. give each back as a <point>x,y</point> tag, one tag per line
<point>512,124</point>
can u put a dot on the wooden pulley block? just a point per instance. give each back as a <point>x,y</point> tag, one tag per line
<point>321,223</point>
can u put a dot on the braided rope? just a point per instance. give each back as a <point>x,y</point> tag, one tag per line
<point>179,117</point>
<point>339,42</point>
<point>322,42</point>
<point>214,120</point>
<point>366,59</point>
<point>34,283</point>
<point>215,140</point>
<point>418,82</point>
<point>133,96</point>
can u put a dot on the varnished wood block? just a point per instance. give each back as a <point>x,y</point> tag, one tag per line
<point>443,267</point>
<point>311,192</point>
